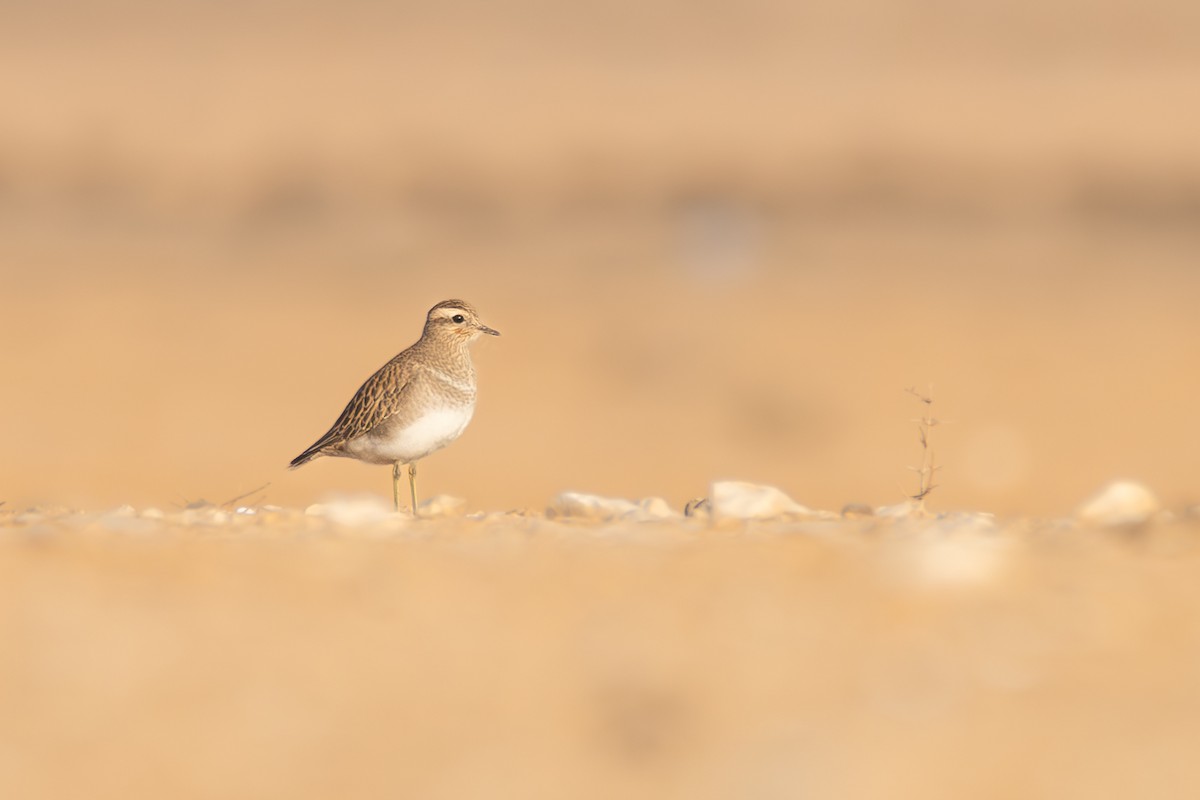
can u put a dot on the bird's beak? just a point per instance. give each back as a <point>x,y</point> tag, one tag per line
<point>486,329</point>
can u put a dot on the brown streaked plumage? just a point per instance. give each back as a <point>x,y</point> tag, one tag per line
<point>417,403</point>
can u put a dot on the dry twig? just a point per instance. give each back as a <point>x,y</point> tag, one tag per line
<point>230,503</point>
<point>928,468</point>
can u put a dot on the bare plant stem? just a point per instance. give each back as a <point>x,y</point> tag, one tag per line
<point>229,503</point>
<point>928,468</point>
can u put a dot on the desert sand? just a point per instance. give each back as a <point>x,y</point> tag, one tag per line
<point>721,241</point>
<point>353,652</point>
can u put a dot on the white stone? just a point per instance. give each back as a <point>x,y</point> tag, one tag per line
<point>905,510</point>
<point>965,522</point>
<point>1119,504</point>
<point>740,500</point>
<point>442,505</point>
<point>698,508</point>
<point>652,508</point>
<point>203,516</point>
<point>353,511</point>
<point>577,505</point>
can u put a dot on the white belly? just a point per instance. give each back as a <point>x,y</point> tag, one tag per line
<point>428,433</point>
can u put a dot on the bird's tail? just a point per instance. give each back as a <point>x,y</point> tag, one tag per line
<point>305,457</point>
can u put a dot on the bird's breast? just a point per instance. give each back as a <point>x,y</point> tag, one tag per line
<point>416,438</point>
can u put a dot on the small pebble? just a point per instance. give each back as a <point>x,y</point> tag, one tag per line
<point>1119,504</point>
<point>354,511</point>
<point>857,511</point>
<point>442,505</point>
<point>576,505</point>
<point>740,500</point>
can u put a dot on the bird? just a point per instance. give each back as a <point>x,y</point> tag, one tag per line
<point>418,402</point>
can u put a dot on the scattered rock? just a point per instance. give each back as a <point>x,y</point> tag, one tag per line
<point>857,511</point>
<point>651,508</point>
<point>1119,504</point>
<point>353,511</point>
<point>204,515</point>
<point>699,507</point>
<point>588,506</point>
<point>909,509</point>
<point>442,505</point>
<point>965,522</point>
<point>576,505</point>
<point>739,500</point>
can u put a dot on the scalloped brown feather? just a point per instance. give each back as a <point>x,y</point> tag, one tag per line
<point>436,369</point>
<point>379,398</point>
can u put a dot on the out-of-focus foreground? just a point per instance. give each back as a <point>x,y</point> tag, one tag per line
<point>719,240</point>
<point>282,655</point>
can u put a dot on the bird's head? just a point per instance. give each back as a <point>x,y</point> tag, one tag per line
<point>456,320</point>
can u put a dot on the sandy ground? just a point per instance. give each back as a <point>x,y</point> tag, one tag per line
<point>719,243</point>
<point>720,240</point>
<point>278,655</point>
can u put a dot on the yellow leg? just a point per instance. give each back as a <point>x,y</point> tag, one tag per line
<point>396,485</point>
<point>412,486</point>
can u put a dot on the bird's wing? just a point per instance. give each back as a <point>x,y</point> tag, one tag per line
<point>377,400</point>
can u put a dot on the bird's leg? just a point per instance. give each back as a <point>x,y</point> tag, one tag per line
<point>396,485</point>
<point>412,485</point>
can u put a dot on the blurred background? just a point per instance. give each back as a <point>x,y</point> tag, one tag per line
<point>720,239</point>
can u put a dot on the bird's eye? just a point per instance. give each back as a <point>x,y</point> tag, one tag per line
<point>458,318</point>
